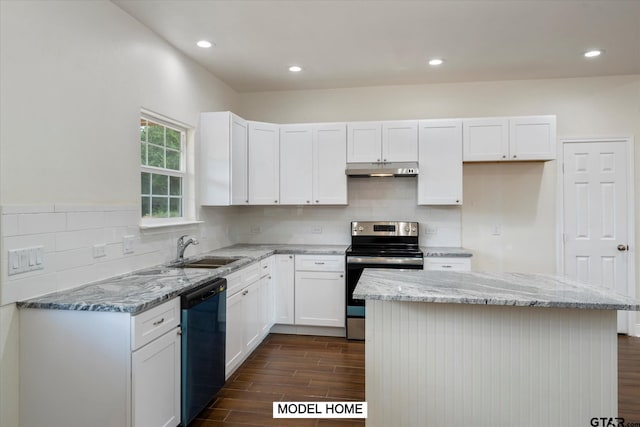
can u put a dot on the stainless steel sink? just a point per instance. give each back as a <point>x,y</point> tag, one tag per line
<point>208,262</point>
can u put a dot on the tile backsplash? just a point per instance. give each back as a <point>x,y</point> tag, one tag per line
<point>69,233</point>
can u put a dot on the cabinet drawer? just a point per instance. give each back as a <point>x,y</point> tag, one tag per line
<point>447,264</point>
<point>242,278</point>
<point>265,266</point>
<point>149,325</point>
<point>319,263</point>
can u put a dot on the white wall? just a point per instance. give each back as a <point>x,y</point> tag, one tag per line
<point>73,77</point>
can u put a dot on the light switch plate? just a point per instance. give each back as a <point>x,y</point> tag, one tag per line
<point>99,250</point>
<point>26,259</point>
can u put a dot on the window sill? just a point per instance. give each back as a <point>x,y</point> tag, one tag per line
<point>166,224</point>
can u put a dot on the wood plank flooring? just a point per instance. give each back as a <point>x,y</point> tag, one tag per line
<point>309,368</point>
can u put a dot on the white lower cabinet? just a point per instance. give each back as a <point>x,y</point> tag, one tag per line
<point>155,380</point>
<point>284,278</point>
<point>250,307</point>
<point>103,369</point>
<point>319,290</point>
<point>447,263</point>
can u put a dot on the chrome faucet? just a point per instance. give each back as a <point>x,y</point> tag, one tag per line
<point>182,245</point>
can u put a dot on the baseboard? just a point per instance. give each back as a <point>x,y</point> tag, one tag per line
<point>308,330</point>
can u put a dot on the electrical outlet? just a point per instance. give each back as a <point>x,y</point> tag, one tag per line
<point>99,250</point>
<point>316,230</point>
<point>127,244</point>
<point>496,229</point>
<point>255,229</point>
<point>432,229</point>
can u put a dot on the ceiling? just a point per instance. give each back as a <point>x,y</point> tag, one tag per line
<point>350,43</point>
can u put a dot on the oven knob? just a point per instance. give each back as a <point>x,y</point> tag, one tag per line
<point>406,229</point>
<point>361,228</point>
<point>414,229</point>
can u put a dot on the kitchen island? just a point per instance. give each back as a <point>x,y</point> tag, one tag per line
<point>488,349</point>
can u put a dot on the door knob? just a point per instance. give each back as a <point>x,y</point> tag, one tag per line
<point>623,248</point>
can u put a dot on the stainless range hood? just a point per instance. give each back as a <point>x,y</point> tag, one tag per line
<point>365,170</point>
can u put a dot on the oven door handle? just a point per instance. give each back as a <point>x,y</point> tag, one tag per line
<point>355,260</point>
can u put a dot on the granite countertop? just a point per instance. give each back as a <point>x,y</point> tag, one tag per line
<point>141,290</point>
<point>514,289</point>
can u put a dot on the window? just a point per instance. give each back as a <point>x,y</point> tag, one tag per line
<point>163,169</point>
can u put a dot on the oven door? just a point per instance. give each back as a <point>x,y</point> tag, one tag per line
<point>355,266</point>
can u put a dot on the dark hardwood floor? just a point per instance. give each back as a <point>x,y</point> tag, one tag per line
<point>308,368</point>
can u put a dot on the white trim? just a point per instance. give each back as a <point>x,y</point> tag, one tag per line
<point>154,223</point>
<point>632,327</point>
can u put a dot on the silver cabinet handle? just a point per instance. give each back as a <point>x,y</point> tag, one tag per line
<point>446,266</point>
<point>245,292</point>
<point>623,248</point>
<point>158,322</point>
<point>319,263</point>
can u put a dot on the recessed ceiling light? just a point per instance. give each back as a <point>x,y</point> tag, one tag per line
<point>593,53</point>
<point>295,68</point>
<point>204,44</point>
<point>436,61</point>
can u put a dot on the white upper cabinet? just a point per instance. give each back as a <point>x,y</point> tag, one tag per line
<point>223,159</point>
<point>532,138</point>
<point>296,158</point>
<point>440,162</point>
<point>374,142</point>
<point>312,164</point>
<point>264,163</point>
<point>364,142</point>
<point>400,141</point>
<point>513,138</point>
<point>329,163</point>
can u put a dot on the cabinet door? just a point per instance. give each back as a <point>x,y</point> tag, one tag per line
<point>532,138</point>
<point>440,162</point>
<point>266,305</point>
<point>329,163</point>
<point>485,140</point>
<point>284,289</point>
<point>239,161</point>
<point>296,164</point>
<point>156,382</point>
<point>215,158</point>
<point>320,298</point>
<point>251,319</point>
<point>364,142</point>
<point>400,141</point>
<point>234,343</point>
<point>264,164</point>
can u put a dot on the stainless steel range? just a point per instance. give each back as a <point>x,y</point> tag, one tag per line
<point>377,244</point>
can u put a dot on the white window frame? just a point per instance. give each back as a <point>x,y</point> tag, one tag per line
<point>186,173</point>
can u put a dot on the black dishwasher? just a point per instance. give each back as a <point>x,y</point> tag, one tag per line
<point>203,320</point>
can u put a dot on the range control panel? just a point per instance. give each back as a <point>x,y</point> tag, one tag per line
<point>384,228</point>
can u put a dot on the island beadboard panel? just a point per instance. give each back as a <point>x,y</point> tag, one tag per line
<point>479,365</point>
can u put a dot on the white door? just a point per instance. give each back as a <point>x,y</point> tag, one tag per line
<point>284,289</point>
<point>296,164</point>
<point>596,209</point>
<point>329,163</point>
